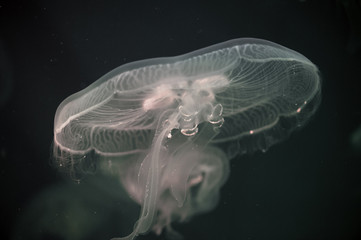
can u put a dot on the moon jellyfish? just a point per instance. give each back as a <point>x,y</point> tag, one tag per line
<point>167,127</point>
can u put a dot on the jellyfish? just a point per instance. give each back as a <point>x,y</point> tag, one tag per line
<point>167,127</point>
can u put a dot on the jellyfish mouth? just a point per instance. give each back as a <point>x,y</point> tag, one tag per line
<point>194,100</point>
<point>188,122</point>
<point>198,104</point>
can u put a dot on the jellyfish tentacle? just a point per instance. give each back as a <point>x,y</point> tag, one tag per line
<point>149,205</point>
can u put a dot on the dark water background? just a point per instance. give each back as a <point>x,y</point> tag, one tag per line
<point>308,187</point>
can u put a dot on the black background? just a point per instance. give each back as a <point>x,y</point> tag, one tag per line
<point>308,187</point>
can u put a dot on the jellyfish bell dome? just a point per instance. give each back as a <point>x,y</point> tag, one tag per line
<point>169,115</point>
